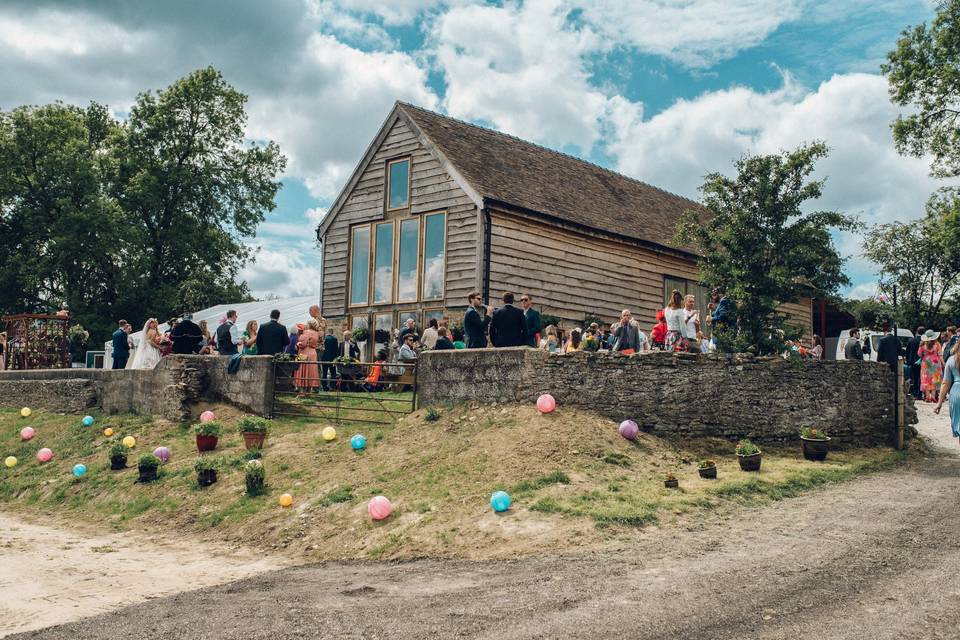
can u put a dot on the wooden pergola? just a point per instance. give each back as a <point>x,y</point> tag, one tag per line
<point>37,341</point>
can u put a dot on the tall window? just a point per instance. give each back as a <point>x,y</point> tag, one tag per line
<point>360,266</point>
<point>398,184</point>
<point>407,260</point>
<point>383,264</point>
<point>434,243</point>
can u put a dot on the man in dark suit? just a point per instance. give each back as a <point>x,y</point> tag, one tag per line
<point>331,349</point>
<point>888,349</point>
<point>508,328</point>
<point>532,317</point>
<point>121,345</point>
<point>913,347</point>
<point>475,322</point>
<point>187,337</point>
<point>272,337</point>
<point>852,350</point>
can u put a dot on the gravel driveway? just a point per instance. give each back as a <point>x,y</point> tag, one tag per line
<point>877,557</point>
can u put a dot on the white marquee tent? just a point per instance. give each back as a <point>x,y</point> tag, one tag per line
<point>292,311</point>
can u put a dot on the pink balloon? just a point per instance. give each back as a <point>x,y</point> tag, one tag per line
<point>163,453</point>
<point>379,508</point>
<point>27,433</point>
<point>44,455</point>
<point>546,403</point>
<point>629,429</point>
<point>207,416</point>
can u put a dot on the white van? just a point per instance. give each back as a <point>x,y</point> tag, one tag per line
<point>869,340</point>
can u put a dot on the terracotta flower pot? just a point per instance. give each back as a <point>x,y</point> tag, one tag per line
<point>253,439</point>
<point>206,443</point>
<point>749,463</point>
<point>815,449</point>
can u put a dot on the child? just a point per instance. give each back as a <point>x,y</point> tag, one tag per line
<point>659,333</point>
<point>372,381</point>
<point>704,342</point>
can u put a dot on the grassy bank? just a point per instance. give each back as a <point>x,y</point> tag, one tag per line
<point>574,482</point>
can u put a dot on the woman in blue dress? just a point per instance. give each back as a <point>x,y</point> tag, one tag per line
<point>951,375</point>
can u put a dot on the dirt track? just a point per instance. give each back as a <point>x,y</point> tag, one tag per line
<point>876,558</point>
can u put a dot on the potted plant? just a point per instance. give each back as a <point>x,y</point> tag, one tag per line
<point>748,454</point>
<point>255,478</point>
<point>206,468</point>
<point>118,456</point>
<point>816,443</point>
<point>670,481</point>
<point>147,465</point>
<point>254,431</point>
<point>207,435</point>
<point>707,469</point>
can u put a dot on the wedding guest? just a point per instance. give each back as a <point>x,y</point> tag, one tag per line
<point>209,344</point>
<point>852,349</point>
<point>532,316</point>
<point>590,341</point>
<point>475,322</point>
<point>228,335</point>
<point>249,339</point>
<point>121,345</point>
<point>166,338</point>
<point>550,341</point>
<point>291,348</point>
<point>3,350</point>
<point>931,365</point>
<point>573,342</point>
<point>913,362</point>
<point>674,316</point>
<point>628,338</point>
<point>372,381</point>
<point>349,348</point>
<point>314,312</point>
<point>691,323</point>
<point>508,328</point>
<point>429,339</point>
<point>704,342</point>
<point>331,349</point>
<point>148,351</point>
<point>307,376</point>
<point>443,340</point>
<point>658,335</point>
<point>186,336</point>
<point>407,352</point>
<point>272,337</point>
<point>409,328</point>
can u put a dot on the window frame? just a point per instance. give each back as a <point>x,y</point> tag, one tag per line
<point>365,317</point>
<point>387,180</point>
<point>394,246</point>
<point>350,254</point>
<point>416,277</point>
<point>423,257</point>
<point>417,317</point>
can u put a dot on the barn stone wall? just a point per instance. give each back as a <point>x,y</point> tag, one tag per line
<point>767,399</point>
<point>170,390</point>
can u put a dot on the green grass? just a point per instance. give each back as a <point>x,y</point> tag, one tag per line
<point>527,486</point>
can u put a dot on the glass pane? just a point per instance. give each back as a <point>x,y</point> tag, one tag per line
<point>357,322</point>
<point>383,264</point>
<point>399,184</point>
<point>383,330</point>
<point>432,313</point>
<point>359,266</point>
<point>434,237</point>
<point>407,264</point>
<point>402,318</point>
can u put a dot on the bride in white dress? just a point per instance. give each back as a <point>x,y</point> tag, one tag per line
<point>148,351</point>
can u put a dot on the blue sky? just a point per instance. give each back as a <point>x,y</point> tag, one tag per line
<point>662,90</point>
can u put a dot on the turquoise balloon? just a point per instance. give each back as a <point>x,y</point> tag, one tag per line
<point>358,442</point>
<point>79,470</point>
<point>88,421</point>
<point>500,501</point>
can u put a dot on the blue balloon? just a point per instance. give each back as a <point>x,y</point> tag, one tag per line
<point>500,501</point>
<point>358,442</point>
<point>88,421</point>
<point>79,470</point>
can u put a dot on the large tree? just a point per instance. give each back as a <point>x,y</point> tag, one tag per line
<point>921,258</point>
<point>136,218</point>
<point>761,247</point>
<point>924,73</point>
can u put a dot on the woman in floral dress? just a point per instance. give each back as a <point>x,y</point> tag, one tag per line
<point>931,365</point>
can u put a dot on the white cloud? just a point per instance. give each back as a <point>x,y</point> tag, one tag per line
<point>696,33</point>
<point>61,34</point>
<point>283,272</point>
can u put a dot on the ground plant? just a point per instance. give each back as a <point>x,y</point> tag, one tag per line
<point>814,433</point>
<point>747,448</point>
<point>251,424</point>
<point>706,464</point>
<point>255,478</point>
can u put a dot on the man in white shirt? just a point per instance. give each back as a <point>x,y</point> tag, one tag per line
<point>228,336</point>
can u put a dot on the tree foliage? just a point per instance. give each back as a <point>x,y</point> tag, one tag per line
<point>136,218</point>
<point>761,247</point>
<point>924,73</point>
<point>921,258</point>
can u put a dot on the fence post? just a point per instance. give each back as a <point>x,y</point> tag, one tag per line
<point>413,400</point>
<point>901,402</point>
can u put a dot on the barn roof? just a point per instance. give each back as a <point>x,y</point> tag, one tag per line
<point>505,169</point>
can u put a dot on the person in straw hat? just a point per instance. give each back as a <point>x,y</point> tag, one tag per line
<point>931,365</point>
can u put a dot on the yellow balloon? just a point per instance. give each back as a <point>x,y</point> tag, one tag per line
<point>25,412</point>
<point>11,462</point>
<point>108,432</point>
<point>286,500</point>
<point>129,442</point>
<point>329,433</point>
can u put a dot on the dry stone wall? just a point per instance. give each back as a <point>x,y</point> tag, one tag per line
<point>170,390</point>
<point>687,395</point>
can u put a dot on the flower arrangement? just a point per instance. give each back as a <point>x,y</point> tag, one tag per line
<point>360,334</point>
<point>814,433</point>
<point>253,424</point>
<point>706,464</point>
<point>211,428</point>
<point>747,448</point>
<point>669,477</point>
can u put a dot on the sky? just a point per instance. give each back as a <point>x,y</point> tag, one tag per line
<point>664,91</point>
